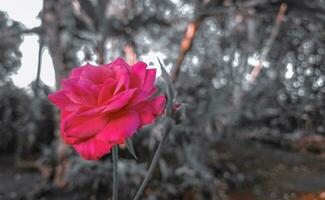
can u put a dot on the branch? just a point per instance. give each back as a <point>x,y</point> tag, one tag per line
<point>186,44</point>
<point>100,47</point>
<point>40,53</point>
<point>275,31</point>
<point>51,22</point>
<point>39,64</point>
<point>130,54</point>
<point>82,15</point>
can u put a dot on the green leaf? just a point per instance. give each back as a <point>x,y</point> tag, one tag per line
<point>129,146</point>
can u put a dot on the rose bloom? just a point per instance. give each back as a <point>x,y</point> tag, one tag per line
<point>102,106</point>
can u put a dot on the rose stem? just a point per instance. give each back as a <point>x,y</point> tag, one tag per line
<point>154,162</point>
<point>115,172</point>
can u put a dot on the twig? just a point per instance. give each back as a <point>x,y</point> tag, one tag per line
<point>39,64</point>
<point>100,47</point>
<point>275,31</point>
<point>82,15</point>
<point>51,24</point>
<point>130,53</point>
<point>101,53</point>
<point>252,3</point>
<point>115,173</point>
<point>51,29</point>
<point>155,159</point>
<point>186,44</point>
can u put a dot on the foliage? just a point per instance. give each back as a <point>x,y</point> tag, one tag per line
<point>14,120</point>
<point>10,37</point>
<point>26,124</point>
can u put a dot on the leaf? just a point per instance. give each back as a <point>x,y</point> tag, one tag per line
<point>170,89</point>
<point>129,146</point>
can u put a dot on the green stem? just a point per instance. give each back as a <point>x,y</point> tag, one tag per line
<point>115,172</point>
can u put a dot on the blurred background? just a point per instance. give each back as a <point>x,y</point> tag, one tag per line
<point>250,75</point>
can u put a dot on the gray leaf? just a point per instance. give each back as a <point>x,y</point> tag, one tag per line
<point>129,146</point>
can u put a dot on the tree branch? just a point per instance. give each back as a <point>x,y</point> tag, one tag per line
<point>186,45</point>
<point>275,31</point>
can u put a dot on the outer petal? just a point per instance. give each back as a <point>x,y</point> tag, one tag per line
<point>140,96</point>
<point>68,140</point>
<point>75,73</point>
<point>149,79</point>
<point>118,62</point>
<point>120,127</point>
<point>92,149</point>
<point>83,126</point>
<point>138,74</point>
<point>150,109</point>
<point>62,101</point>
<point>123,79</point>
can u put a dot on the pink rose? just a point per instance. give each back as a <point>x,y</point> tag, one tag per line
<point>104,105</point>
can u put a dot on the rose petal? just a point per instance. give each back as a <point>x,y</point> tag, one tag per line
<point>107,90</point>
<point>79,91</point>
<point>140,96</point>
<point>87,111</point>
<point>149,79</point>
<point>97,75</point>
<point>68,140</point>
<point>138,74</point>
<point>123,79</point>
<point>150,109</point>
<point>120,127</point>
<point>118,62</point>
<point>83,126</point>
<point>97,88</point>
<point>75,73</point>
<point>62,101</point>
<point>93,149</point>
<point>119,101</point>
